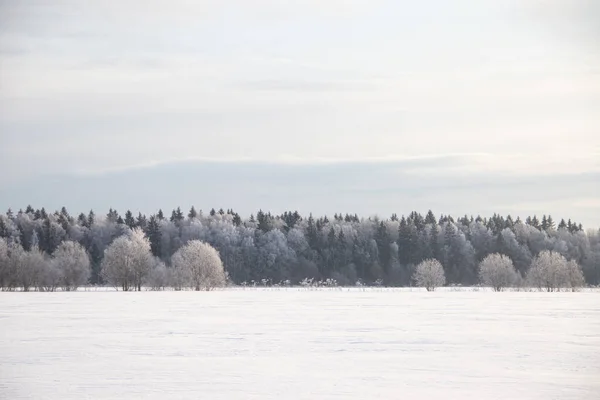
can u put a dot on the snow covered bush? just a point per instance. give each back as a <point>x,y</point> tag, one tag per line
<point>199,266</point>
<point>72,263</point>
<point>127,261</point>
<point>159,276</point>
<point>429,274</point>
<point>551,271</point>
<point>497,271</point>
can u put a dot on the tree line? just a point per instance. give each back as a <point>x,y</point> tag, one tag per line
<point>286,248</point>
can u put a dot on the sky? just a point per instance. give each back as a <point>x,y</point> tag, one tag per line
<point>365,106</point>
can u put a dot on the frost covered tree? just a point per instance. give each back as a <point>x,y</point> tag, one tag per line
<point>127,261</point>
<point>159,276</point>
<point>429,274</point>
<point>198,265</point>
<point>73,264</point>
<point>497,271</point>
<point>4,264</point>
<point>575,275</point>
<point>31,267</point>
<point>551,271</point>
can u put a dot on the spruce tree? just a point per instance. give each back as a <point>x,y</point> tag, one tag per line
<point>154,235</point>
<point>129,220</point>
<point>562,224</point>
<point>91,219</point>
<point>141,221</point>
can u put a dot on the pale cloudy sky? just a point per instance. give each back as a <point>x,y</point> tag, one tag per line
<point>365,106</point>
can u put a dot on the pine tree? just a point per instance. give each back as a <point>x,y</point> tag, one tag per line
<point>193,213</point>
<point>535,223</point>
<point>82,220</point>
<point>550,223</point>
<point>129,220</point>
<point>141,221</point>
<point>113,216</point>
<point>154,235</point>
<point>434,244</point>
<point>160,216</point>
<point>562,224</point>
<point>430,218</point>
<point>383,246</point>
<point>544,225</point>
<point>91,219</point>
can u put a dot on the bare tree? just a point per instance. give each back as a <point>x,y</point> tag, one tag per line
<point>497,271</point>
<point>127,261</point>
<point>429,274</point>
<point>199,265</point>
<point>73,263</point>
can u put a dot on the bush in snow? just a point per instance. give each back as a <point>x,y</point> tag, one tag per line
<point>550,271</point>
<point>198,265</point>
<point>71,264</point>
<point>430,275</point>
<point>497,271</point>
<point>127,261</point>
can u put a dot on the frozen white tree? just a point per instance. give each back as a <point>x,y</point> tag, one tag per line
<point>159,276</point>
<point>127,261</point>
<point>429,274</point>
<point>31,267</point>
<point>73,263</point>
<point>198,265</point>
<point>550,271</point>
<point>497,271</point>
<point>4,264</point>
<point>575,275</point>
<point>50,278</point>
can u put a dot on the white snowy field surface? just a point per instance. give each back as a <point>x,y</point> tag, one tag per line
<point>300,344</point>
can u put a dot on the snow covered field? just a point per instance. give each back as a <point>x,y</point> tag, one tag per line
<point>298,344</point>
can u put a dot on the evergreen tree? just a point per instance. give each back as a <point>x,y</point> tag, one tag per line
<point>82,220</point>
<point>192,214</point>
<point>535,223</point>
<point>113,216</point>
<point>154,235</point>
<point>562,224</point>
<point>141,221</point>
<point>383,246</point>
<point>550,223</point>
<point>160,216</point>
<point>129,220</point>
<point>91,219</point>
<point>430,218</point>
<point>177,216</point>
<point>544,225</point>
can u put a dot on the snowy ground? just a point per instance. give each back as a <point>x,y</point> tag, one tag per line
<point>298,344</point>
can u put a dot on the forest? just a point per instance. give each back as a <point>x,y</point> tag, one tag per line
<point>289,248</point>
